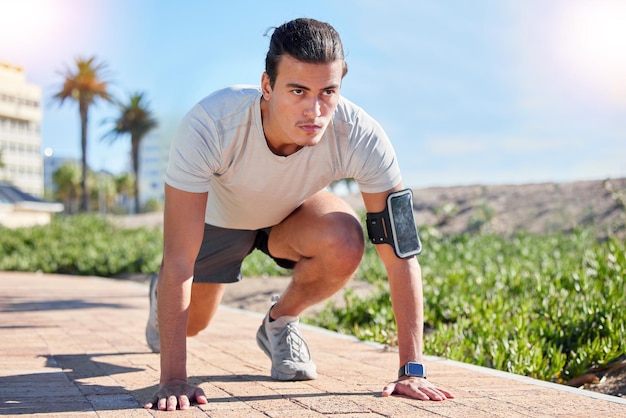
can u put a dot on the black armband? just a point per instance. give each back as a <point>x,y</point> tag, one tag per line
<point>396,225</point>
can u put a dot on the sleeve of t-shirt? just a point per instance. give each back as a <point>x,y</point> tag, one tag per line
<point>373,163</point>
<point>194,153</point>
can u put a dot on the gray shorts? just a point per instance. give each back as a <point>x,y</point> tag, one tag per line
<point>223,250</point>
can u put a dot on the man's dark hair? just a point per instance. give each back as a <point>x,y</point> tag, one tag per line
<point>307,40</point>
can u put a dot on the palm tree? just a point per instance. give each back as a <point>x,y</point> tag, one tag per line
<point>104,191</point>
<point>67,180</point>
<point>84,84</point>
<point>137,120</point>
<point>125,186</point>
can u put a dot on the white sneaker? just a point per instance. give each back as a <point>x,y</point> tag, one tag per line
<point>283,344</point>
<point>152,327</point>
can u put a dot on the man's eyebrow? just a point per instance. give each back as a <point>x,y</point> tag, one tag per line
<point>301,87</point>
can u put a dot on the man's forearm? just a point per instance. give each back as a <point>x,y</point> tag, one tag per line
<point>173,306</point>
<point>405,285</point>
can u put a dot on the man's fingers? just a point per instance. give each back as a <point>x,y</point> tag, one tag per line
<point>436,394</point>
<point>183,401</point>
<point>170,398</point>
<point>162,404</point>
<point>171,403</point>
<point>388,390</point>
<point>421,392</point>
<point>200,396</point>
<point>448,394</point>
<point>433,394</point>
<point>154,402</point>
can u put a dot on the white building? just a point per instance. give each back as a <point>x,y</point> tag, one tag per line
<point>19,209</point>
<point>20,131</point>
<point>153,154</point>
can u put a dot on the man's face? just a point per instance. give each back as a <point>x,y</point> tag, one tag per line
<point>298,109</point>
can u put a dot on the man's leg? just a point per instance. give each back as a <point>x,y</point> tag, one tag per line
<point>325,237</point>
<point>205,299</point>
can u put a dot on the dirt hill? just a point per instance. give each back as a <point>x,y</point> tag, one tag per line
<point>503,209</point>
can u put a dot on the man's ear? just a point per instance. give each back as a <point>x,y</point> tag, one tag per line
<point>266,87</point>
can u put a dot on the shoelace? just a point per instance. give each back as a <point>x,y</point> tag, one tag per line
<point>293,345</point>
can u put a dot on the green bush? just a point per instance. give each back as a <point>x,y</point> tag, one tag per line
<point>82,245</point>
<point>91,245</point>
<point>259,264</point>
<point>548,306</point>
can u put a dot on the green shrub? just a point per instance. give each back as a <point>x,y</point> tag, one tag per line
<point>82,245</point>
<point>91,245</point>
<point>259,264</point>
<point>548,306</point>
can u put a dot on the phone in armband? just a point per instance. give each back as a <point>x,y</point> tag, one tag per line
<point>396,225</point>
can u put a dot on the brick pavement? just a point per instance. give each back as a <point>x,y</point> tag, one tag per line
<point>74,347</point>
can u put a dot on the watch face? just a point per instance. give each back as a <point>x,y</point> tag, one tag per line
<point>415,369</point>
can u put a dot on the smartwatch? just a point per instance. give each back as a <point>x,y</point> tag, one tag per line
<point>412,369</point>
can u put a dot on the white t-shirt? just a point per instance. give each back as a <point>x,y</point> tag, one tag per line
<point>220,148</point>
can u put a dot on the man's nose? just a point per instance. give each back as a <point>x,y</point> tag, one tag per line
<point>313,108</point>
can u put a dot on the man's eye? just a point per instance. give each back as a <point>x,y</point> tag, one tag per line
<point>329,92</point>
<point>297,92</point>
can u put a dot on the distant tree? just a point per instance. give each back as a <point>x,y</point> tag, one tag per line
<point>125,187</point>
<point>67,180</point>
<point>84,84</point>
<point>347,183</point>
<point>103,191</point>
<point>153,205</point>
<point>135,119</point>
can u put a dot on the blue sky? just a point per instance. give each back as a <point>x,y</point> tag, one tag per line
<point>470,92</point>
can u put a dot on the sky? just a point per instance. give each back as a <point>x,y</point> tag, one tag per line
<point>470,92</point>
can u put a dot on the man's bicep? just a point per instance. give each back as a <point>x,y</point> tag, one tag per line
<point>375,202</point>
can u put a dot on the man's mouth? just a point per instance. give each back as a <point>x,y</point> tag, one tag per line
<point>310,127</point>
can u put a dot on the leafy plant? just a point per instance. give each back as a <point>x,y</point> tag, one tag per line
<point>548,306</point>
<point>83,245</point>
<point>259,264</point>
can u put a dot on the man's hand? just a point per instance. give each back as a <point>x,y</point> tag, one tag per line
<point>176,393</point>
<point>417,388</point>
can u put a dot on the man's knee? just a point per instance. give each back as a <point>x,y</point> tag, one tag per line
<point>344,242</point>
<point>194,328</point>
<point>198,320</point>
<point>205,299</point>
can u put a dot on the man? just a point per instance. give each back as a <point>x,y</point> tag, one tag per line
<point>248,170</point>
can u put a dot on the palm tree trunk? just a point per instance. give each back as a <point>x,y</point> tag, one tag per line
<point>83,109</point>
